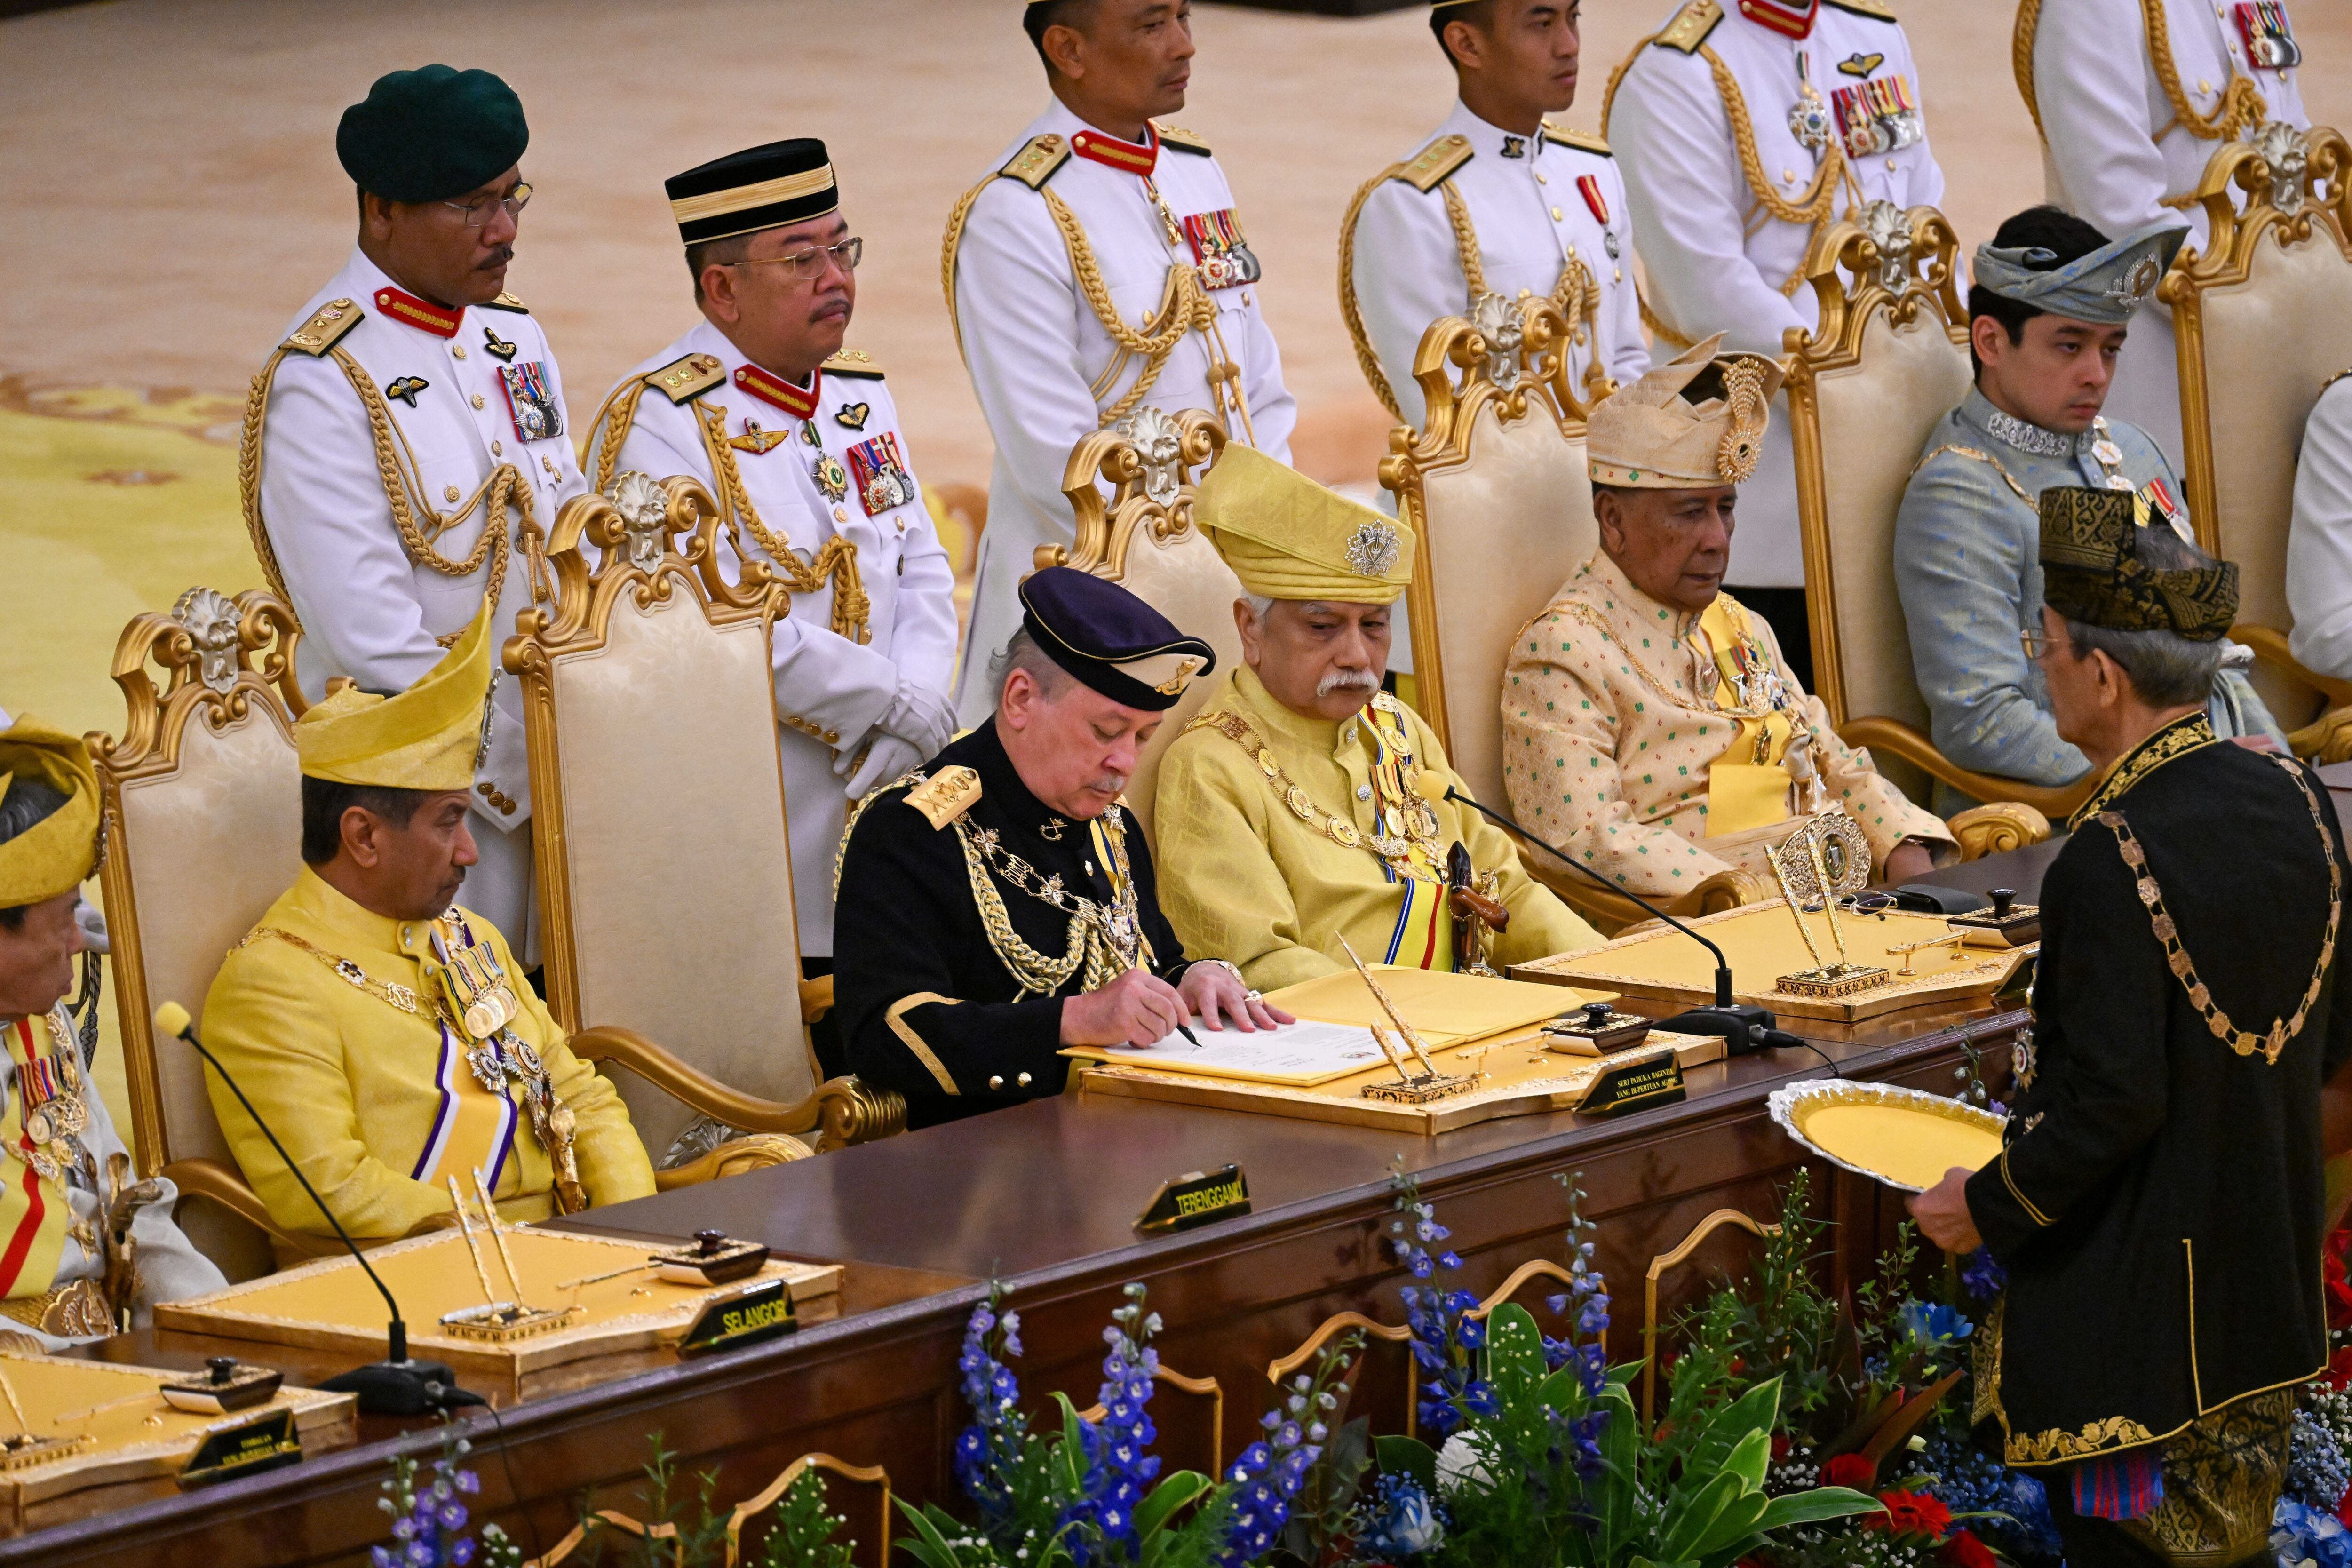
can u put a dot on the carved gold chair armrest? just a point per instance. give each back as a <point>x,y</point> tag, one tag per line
<point>1898,738</point>
<point>755,1152</point>
<point>816,998</point>
<point>224,1184</point>
<point>2326,738</point>
<point>1993,829</point>
<point>843,1110</point>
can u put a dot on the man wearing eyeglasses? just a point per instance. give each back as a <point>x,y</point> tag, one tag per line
<point>412,441</point>
<point>799,443</point>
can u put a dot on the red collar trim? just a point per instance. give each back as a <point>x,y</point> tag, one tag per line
<point>410,311</point>
<point>799,404</point>
<point>1124,156</point>
<point>1788,21</point>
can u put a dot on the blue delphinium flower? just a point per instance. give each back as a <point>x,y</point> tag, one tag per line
<point>1586,1304</point>
<point>429,1522</point>
<point>1933,1324</point>
<point>1399,1520</point>
<point>998,1432</point>
<point>1445,1340</point>
<point>2316,1473</point>
<point>1119,1466</point>
<point>1270,1472</point>
<point>2304,1537</point>
<point>1982,1276</point>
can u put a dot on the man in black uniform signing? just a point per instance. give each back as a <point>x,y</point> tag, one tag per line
<point>2157,1201</point>
<point>996,905</point>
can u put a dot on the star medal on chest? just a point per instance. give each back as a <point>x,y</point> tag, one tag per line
<point>531,398</point>
<point>1220,250</point>
<point>755,440</point>
<point>406,388</point>
<point>1809,117</point>
<point>49,1089</point>
<point>880,473</point>
<point>497,346</point>
<point>2109,457</point>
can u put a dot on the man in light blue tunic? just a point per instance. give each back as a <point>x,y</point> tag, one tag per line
<point>2048,314</point>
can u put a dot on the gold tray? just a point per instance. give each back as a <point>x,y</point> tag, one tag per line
<point>133,1436</point>
<point>1762,943</point>
<point>330,1305</point>
<point>1905,1138</point>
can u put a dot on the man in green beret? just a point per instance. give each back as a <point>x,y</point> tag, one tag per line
<point>413,441</point>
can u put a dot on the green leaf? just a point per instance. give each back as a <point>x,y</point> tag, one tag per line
<point>1812,1506</point>
<point>1625,1372</point>
<point>1515,1362</point>
<point>931,1550</point>
<point>1734,1524</point>
<point>1690,1518</point>
<point>1621,1447</point>
<point>1408,1456</point>
<point>1172,1494</point>
<point>1749,1459</point>
<point>1751,1412</point>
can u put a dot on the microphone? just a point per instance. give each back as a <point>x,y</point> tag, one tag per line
<point>395,1385</point>
<point>1743,1026</point>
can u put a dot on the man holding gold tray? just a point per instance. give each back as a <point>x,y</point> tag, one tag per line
<point>2157,1200</point>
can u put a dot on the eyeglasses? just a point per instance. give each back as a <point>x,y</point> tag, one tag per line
<point>477,212</point>
<point>802,265</point>
<point>2037,645</point>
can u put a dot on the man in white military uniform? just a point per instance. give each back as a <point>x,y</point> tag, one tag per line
<point>1100,267</point>
<point>2127,128</point>
<point>413,443</point>
<point>800,443</point>
<point>2319,537</point>
<point>1499,200</point>
<point>1745,127</point>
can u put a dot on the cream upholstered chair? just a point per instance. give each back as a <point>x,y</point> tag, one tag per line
<point>1888,359</point>
<point>203,822</point>
<point>1495,489</point>
<point>664,873</point>
<point>2263,319</point>
<point>1143,537</point>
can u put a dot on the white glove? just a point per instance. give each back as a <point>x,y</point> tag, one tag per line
<point>920,715</point>
<point>92,920</point>
<point>887,758</point>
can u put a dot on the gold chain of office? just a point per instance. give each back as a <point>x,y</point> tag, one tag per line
<point>1420,822</point>
<point>1093,943</point>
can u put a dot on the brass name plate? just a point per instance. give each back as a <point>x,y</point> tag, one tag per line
<point>1196,1199</point>
<point>256,1446</point>
<point>1652,1080</point>
<point>745,1317</point>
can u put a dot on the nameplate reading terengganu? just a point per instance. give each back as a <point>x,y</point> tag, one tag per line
<point>1196,1199</point>
<point>244,1450</point>
<point>1652,1080</point>
<point>744,1317</point>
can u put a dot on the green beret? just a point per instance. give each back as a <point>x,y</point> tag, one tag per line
<point>432,134</point>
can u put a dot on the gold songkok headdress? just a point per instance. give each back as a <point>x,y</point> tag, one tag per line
<point>59,852</point>
<point>1692,423</point>
<point>1286,537</point>
<point>429,737</point>
<point>2091,570</point>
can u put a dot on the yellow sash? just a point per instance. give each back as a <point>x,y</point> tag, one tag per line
<point>34,1213</point>
<point>1748,785</point>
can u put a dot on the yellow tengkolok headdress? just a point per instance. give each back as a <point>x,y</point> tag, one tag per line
<point>1692,423</point>
<point>59,852</point>
<point>1286,537</point>
<point>429,737</point>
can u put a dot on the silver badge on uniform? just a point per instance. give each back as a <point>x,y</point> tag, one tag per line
<point>530,397</point>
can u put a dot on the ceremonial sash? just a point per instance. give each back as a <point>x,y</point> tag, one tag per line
<point>1748,785</point>
<point>473,1130</point>
<point>1423,937</point>
<point>33,1214</point>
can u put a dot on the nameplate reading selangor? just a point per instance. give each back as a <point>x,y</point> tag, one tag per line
<point>246,1450</point>
<point>1196,1199</point>
<point>756,1312</point>
<point>1653,1080</point>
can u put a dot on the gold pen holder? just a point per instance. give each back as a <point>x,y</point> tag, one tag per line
<point>24,1451</point>
<point>504,1322</point>
<point>1423,1090</point>
<point>1827,857</point>
<point>1831,980</point>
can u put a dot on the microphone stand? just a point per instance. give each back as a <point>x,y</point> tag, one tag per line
<point>394,1385</point>
<point>1743,1027</point>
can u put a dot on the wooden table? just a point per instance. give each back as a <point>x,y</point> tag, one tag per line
<point>1042,1197</point>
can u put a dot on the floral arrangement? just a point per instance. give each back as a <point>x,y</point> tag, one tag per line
<point>429,1516</point>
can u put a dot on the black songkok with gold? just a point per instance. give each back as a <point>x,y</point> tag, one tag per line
<point>2091,572</point>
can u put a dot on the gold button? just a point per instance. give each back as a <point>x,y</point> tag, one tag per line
<point>450,491</point>
<point>1555,215</point>
<point>1527,293</point>
<point>2204,87</point>
<point>1540,178</point>
<point>1023,1080</point>
<point>839,515</point>
<point>497,449</point>
<point>902,525</point>
<point>995,1082</point>
<point>1789,175</point>
<point>1619,273</point>
<point>457,349</point>
<point>832,737</point>
<point>478,400</point>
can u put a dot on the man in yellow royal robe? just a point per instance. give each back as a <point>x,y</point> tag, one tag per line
<point>385,1031</point>
<point>1286,817</point>
<point>1650,726</point>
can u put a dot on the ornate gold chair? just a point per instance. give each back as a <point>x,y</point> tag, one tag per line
<point>2264,318</point>
<point>1495,489</point>
<point>664,873</point>
<point>1143,537</point>
<point>1888,359</point>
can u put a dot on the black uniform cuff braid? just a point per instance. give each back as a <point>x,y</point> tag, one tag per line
<point>2000,1221</point>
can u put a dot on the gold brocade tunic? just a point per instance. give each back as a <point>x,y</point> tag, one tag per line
<point>1615,724</point>
<point>1243,875</point>
<point>377,1102</point>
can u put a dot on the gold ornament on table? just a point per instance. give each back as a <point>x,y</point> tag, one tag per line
<point>23,1448</point>
<point>1823,860</point>
<point>1411,1088</point>
<point>496,1322</point>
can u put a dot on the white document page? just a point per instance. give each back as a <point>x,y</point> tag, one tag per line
<point>1299,1054</point>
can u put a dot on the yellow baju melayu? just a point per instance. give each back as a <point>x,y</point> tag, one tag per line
<point>377,1100</point>
<point>1246,875</point>
<point>392,1055</point>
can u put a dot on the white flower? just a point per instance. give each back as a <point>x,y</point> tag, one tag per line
<point>1460,1465</point>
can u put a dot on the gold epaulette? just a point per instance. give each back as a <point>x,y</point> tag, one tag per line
<point>853,361</point>
<point>1182,140</point>
<point>507,302</point>
<point>2332,380</point>
<point>945,795</point>
<point>1877,10</point>
<point>1583,141</point>
<point>1690,27</point>
<point>324,330</point>
<point>684,379</point>
<point>1035,164</point>
<point>1428,168</point>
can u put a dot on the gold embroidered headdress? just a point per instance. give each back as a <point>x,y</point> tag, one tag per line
<point>429,737</point>
<point>2091,572</point>
<point>1693,423</point>
<point>1286,537</point>
<point>58,852</point>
